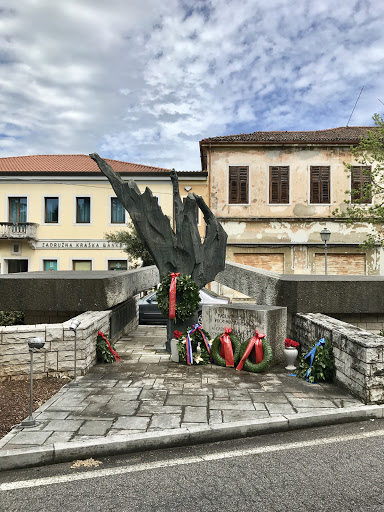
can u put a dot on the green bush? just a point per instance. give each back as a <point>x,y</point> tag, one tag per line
<point>11,318</point>
<point>323,366</point>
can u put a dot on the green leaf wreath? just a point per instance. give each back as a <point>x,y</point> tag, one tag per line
<point>187,297</point>
<point>103,354</point>
<point>323,367</point>
<point>199,356</point>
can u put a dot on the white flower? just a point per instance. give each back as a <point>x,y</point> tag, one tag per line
<point>198,359</point>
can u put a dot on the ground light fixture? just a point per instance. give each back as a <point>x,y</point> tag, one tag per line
<point>325,236</point>
<point>74,325</point>
<point>34,344</point>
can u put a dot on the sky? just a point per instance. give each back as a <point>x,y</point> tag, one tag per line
<point>144,81</point>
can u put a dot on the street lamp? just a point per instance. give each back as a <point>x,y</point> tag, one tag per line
<point>74,325</point>
<point>33,344</point>
<point>325,236</point>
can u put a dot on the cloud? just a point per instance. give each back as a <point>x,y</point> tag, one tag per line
<point>144,81</point>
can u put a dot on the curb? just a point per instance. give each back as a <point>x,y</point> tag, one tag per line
<point>119,444</point>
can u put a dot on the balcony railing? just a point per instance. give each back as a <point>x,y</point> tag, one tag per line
<point>24,230</point>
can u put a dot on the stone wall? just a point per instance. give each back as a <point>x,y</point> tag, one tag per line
<point>244,319</point>
<point>372,322</point>
<point>57,356</point>
<point>359,354</point>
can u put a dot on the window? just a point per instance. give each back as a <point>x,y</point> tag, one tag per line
<point>279,185</point>
<point>238,184</point>
<point>50,265</point>
<point>83,210</point>
<point>51,209</point>
<point>81,265</point>
<point>117,211</point>
<point>361,184</point>
<point>17,209</point>
<point>117,264</point>
<point>320,184</point>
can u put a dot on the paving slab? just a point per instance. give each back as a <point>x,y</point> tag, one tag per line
<point>147,401</point>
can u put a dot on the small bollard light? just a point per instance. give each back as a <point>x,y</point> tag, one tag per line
<point>33,344</point>
<point>74,325</point>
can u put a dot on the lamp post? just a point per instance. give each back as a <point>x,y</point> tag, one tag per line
<point>33,344</point>
<point>74,325</point>
<point>325,236</point>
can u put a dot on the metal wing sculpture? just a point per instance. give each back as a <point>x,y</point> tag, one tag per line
<point>173,251</point>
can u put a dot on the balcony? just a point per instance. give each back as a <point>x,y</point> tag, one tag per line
<point>18,230</point>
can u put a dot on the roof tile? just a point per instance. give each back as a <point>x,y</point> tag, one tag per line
<point>341,135</point>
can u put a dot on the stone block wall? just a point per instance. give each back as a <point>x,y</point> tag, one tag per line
<point>245,318</point>
<point>359,354</point>
<point>57,356</point>
<point>372,322</point>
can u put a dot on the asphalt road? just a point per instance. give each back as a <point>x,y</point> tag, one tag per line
<point>339,468</point>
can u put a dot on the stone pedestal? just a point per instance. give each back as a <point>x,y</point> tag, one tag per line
<point>245,318</point>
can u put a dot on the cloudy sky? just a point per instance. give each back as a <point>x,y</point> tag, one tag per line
<point>144,80</point>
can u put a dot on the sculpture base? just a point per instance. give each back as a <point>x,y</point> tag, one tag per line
<point>178,326</point>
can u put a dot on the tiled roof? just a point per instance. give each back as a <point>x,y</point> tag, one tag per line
<point>341,135</point>
<point>76,164</point>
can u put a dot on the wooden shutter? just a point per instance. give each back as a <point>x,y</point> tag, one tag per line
<point>360,177</point>
<point>279,185</point>
<point>238,185</point>
<point>320,184</point>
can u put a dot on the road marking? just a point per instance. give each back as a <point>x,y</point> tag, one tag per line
<point>102,473</point>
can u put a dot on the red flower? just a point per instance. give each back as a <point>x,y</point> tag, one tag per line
<point>291,343</point>
<point>177,334</point>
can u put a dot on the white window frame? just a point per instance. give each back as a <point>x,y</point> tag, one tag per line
<point>107,258</point>
<point>110,223</point>
<point>7,204</point>
<point>75,197</point>
<point>4,261</point>
<point>72,259</point>
<point>51,196</point>
<point>43,258</point>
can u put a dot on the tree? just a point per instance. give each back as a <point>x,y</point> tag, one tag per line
<point>367,184</point>
<point>133,246</point>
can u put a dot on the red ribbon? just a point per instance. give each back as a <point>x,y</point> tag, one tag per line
<point>256,342</point>
<point>227,345</point>
<point>115,354</point>
<point>172,295</point>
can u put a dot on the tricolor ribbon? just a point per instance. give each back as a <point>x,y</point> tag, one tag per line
<point>256,342</point>
<point>115,354</point>
<point>195,328</point>
<point>311,354</point>
<point>227,346</point>
<point>172,295</point>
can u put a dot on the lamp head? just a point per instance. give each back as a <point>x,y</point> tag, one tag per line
<point>325,235</point>
<point>74,324</point>
<point>188,188</point>
<point>36,342</point>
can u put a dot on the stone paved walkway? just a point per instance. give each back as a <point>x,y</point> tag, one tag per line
<point>146,391</point>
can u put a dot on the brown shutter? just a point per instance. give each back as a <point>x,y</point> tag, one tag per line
<point>279,185</point>
<point>238,184</point>
<point>320,184</point>
<point>360,177</point>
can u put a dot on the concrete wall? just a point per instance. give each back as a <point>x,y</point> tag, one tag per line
<point>244,319</point>
<point>57,356</point>
<point>359,354</point>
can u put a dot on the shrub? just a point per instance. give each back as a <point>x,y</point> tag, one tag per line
<point>323,366</point>
<point>11,317</point>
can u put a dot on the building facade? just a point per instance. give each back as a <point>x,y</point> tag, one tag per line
<point>56,210</point>
<point>274,192</point>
